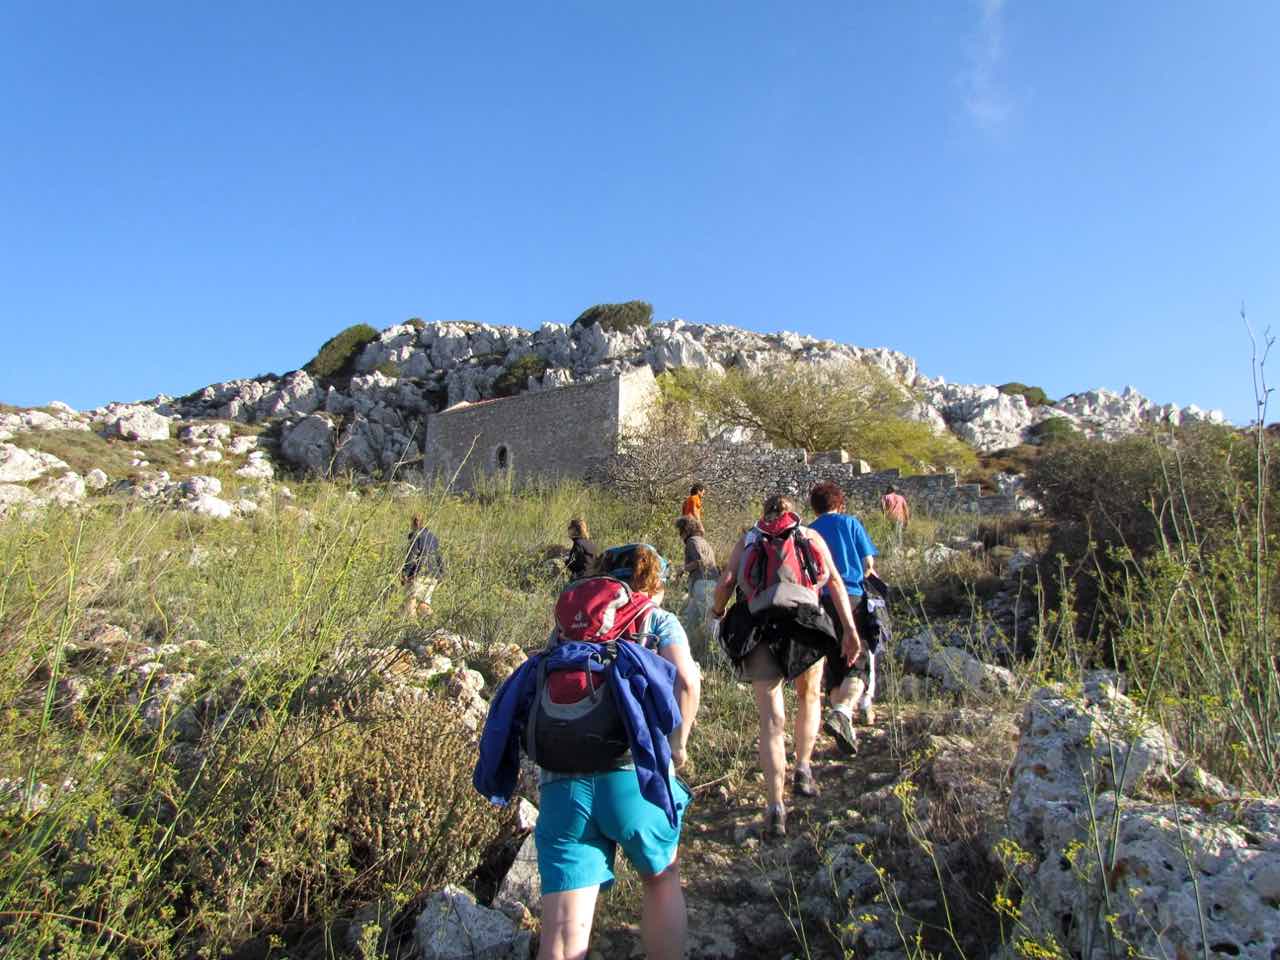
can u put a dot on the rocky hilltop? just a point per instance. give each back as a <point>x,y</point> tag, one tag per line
<point>412,370</point>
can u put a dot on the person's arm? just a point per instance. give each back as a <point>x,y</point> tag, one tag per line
<point>853,647</point>
<point>869,566</point>
<point>688,696</point>
<point>728,580</point>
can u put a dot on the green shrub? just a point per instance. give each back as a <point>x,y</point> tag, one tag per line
<point>1035,396</point>
<point>337,357</point>
<point>416,323</point>
<point>388,368</point>
<point>515,378</point>
<point>617,317</point>
<point>1053,430</point>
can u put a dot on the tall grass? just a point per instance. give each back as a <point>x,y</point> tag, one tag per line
<point>304,780</point>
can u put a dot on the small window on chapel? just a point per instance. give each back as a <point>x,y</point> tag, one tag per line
<point>501,458</point>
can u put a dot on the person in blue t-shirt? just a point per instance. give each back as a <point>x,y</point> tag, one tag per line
<point>854,556</point>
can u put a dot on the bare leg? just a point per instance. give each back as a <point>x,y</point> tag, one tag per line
<point>664,920</point>
<point>808,712</point>
<point>566,923</point>
<point>773,721</point>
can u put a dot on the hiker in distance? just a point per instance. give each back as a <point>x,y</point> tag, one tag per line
<point>422,571</point>
<point>692,506</point>
<point>777,631</point>
<point>605,782</point>
<point>700,567</point>
<point>854,555</point>
<point>894,506</point>
<point>582,550</point>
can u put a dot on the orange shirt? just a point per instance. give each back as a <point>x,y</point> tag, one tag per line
<point>692,506</point>
<point>895,505</point>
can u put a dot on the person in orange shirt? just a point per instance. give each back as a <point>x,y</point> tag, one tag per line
<point>896,509</point>
<point>693,503</point>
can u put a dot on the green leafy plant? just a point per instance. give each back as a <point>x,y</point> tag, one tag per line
<point>515,378</point>
<point>617,317</point>
<point>337,356</point>
<point>1035,396</point>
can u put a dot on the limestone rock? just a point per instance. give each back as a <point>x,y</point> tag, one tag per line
<point>66,490</point>
<point>1169,862</point>
<point>96,479</point>
<point>308,443</point>
<point>1075,746</point>
<point>452,926</point>
<point>19,466</point>
<point>258,467</point>
<point>239,446</point>
<point>138,423</point>
<point>522,886</point>
<point>199,486</point>
<point>207,505</point>
<point>1078,758</point>
<point>18,501</point>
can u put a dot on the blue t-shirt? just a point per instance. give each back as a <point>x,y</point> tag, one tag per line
<point>848,542</point>
<point>666,626</point>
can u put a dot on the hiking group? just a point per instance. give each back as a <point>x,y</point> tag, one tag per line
<point>605,711</point>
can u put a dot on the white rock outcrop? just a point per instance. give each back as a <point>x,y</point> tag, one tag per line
<point>137,423</point>
<point>68,489</point>
<point>20,466</point>
<point>412,370</point>
<point>1178,879</point>
<point>452,926</point>
<point>308,443</point>
<point>18,501</point>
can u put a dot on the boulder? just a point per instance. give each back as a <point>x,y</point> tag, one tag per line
<point>20,466</point>
<point>138,424</point>
<point>1073,746</point>
<point>308,443</point>
<point>18,501</point>
<point>239,446</point>
<point>1175,873</point>
<point>199,486</point>
<point>96,479</point>
<point>522,886</point>
<point>66,490</point>
<point>258,468</point>
<point>207,505</point>
<point>452,926</point>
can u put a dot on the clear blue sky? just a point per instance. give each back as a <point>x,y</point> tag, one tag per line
<point>1067,194</point>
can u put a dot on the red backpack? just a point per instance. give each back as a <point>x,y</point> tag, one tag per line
<point>574,725</point>
<point>780,570</point>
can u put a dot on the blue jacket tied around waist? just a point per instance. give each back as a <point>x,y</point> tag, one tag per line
<point>643,686</point>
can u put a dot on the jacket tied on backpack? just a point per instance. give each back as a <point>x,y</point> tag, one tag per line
<point>643,687</point>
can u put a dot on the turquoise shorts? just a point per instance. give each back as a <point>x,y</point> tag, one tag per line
<point>582,820</point>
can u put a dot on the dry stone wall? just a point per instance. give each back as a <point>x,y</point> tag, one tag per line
<point>758,471</point>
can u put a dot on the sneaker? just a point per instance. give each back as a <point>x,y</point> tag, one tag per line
<point>775,822</point>
<point>840,727</point>
<point>803,784</point>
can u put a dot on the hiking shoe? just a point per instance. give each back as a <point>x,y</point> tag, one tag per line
<point>840,727</point>
<point>775,822</point>
<point>803,784</point>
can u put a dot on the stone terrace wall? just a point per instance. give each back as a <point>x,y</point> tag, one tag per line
<point>756,472</point>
